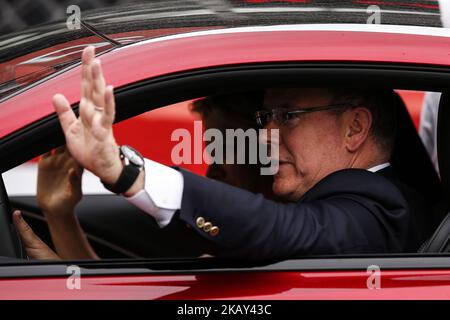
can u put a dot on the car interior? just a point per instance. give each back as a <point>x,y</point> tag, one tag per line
<point>117,229</point>
<point>439,241</point>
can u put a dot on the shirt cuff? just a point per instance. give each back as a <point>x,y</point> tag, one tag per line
<point>162,194</point>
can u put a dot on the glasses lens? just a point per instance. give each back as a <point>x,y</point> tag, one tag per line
<point>279,116</point>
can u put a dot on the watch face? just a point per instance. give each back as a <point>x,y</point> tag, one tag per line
<point>132,155</point>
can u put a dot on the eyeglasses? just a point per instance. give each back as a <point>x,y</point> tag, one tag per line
<point>281,116</point>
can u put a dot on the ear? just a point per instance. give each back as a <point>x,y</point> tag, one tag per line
<point>358,122</point>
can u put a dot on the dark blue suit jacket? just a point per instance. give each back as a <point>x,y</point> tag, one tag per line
<point>350,211</point>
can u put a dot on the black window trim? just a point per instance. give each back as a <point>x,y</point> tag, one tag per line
<point>133,267</point>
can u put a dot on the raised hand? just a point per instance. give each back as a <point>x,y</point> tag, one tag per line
<point>89,138</point>
<point>58,183</point>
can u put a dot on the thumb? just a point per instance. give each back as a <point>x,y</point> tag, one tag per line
<point>35,247</point>
<point>73,176</point>
<point>65,113</point>
<point>25,231</point>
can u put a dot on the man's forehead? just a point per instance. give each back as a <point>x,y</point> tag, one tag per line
<point>297,97</point>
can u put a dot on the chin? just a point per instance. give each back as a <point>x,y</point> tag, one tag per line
<point>283,190</point>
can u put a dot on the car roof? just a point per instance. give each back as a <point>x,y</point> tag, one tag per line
<point>36,53</point>
<point>165,17</point>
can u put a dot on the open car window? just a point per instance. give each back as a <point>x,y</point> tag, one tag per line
<point>151,133</point>
<point>114,227</point>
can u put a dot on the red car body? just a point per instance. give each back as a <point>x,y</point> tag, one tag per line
<point>326,285</point>
<point>224,47</point>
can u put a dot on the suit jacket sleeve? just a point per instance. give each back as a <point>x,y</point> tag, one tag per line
<point>352,211</point>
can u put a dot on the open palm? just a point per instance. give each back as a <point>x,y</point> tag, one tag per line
<point>90,137</point>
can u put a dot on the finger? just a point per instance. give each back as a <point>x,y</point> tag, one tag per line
<point>60,149</point>
<point>86,90</point>
<point>35,247</point>
<point>86,60</point>
<point>97,123</point>
<point>98,84</point>
<point>46,155</point>
<point>27,234</point>
<point>87,57</point>
<point>110,106</point>
<point>74,176</point>
<point>65,113</point>
<point>87,112</point>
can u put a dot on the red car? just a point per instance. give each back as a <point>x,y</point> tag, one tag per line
<point>158,60</point>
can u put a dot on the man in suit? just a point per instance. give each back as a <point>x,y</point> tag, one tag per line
<point>334,174</point>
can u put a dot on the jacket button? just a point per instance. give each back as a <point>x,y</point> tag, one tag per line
<point>207,226</point>
<point>214,231</point>
<point>200,222</point>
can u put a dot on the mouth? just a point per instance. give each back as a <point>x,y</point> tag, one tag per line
<point>284,162</point>
<point>283,168</point>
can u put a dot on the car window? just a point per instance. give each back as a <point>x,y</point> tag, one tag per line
<point>414,102</point>
<point>150,133</point>
<point>108,219</point>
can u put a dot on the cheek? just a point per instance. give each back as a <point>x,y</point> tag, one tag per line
<point>303,146</point>
<point>313,147</point>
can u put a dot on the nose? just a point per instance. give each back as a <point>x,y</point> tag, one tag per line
<point>272,135</point>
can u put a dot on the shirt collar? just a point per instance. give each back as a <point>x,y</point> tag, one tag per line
<point>379,167</point>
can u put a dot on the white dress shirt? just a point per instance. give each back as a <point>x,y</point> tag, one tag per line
<point>163,191</point>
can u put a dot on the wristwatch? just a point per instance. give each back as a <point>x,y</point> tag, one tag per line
<point>133,165</point>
